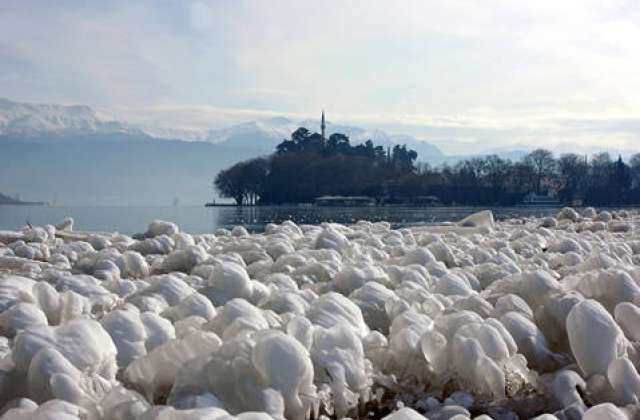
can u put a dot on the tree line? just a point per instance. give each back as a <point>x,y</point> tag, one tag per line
<point>305,167</point>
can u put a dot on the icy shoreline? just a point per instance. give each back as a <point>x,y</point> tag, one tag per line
<point>476,319</point>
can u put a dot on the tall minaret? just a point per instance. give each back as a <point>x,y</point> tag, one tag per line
<point>322,126</point>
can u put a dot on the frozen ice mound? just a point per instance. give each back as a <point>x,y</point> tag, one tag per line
<point>183,260</point>
<point>128,333</point>
<point>483,357</point>
<point>595,338</point>
<point>195,304</point>
<point>273,374</point>
<point>133,264</point>
<point>284,365</point>
<point>83,342</point>
<point>531,342</point>
<point>333,309</point>
<point>405,413</point>
<point>153,374</point>
<point>624,380</point>
<point>606,411</point>
<point>338,357</point>
<point>52,376</point>
<point>627,316</point>
<point>162,292</point>
<point>229,281</point>
<point>238,317</point>
<point>372,298</point>
<point>15,289</point>
<point>52,409</point>
<point>161,227</point>
<point>323,321</point>
<point>212,413</point>
<point>480,219</point>
<point>19,317</point>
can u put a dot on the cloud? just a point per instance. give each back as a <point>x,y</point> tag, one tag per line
<point>498,71</point>
<point>453,134</point>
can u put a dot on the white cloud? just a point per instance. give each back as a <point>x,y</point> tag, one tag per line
<point>497,71</point>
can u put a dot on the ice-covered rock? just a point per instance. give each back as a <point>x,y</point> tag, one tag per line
<point>238,316</point>
<point>549,222</point>
<point>627,316</point>
<point>154,373</point>
<point>284,365</point>
<point>603,216</point>
<point>338,357</point>
<point>624,379</point>
<point>372,300</point>
<point>194,304</point>
<point>52,376</point>
<point>161,227</point>
<point>568,213</point>
<point>332,308</point>
<point>20,316</point>
<point>82,342</point>
<point>14,289</point>
<point>330,238</point>
<point>606,411</point>
<point>183,259</point>
<point>229,281</point>
<point>51,410</point>
<point>405,413</point>
<point>595,338</point>
<point>132,264</point>
<point>531,342</point>
<point>162,292</point>
<point>128,334</point>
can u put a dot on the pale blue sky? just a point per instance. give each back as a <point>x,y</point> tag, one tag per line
<point>463,74</point>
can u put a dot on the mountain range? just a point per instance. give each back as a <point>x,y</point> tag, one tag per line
<point>51,122</point>
<point>75,155</point>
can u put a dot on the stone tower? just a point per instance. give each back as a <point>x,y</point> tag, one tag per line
<point>322,127</point>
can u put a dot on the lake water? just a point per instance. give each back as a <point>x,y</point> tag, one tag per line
<point>131,220</point>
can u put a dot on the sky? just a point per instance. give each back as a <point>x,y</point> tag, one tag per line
<point>465,75</point>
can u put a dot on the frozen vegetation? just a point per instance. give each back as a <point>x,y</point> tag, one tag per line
<point>526,318</point>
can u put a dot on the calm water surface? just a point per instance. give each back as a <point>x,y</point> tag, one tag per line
<point>131,220</point>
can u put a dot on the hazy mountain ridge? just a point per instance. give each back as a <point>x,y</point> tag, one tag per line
<point>54,122</point>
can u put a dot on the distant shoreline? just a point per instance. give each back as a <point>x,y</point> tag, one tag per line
<point>8,201</point>
<point>23,203</point>
<point>229,205</point>
<point>398,205</point>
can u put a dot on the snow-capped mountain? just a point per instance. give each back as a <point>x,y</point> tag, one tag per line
<point>35,120</point>
<point>51,121</point>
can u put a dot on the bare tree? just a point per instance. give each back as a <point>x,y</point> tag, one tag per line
<point>543,164</point>
<point>574,171</point>
<point>634,162</point>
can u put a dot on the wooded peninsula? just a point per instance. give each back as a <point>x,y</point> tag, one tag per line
<point>308,166</point>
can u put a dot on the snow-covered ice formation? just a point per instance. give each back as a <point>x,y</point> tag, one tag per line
<point>523,318</point>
